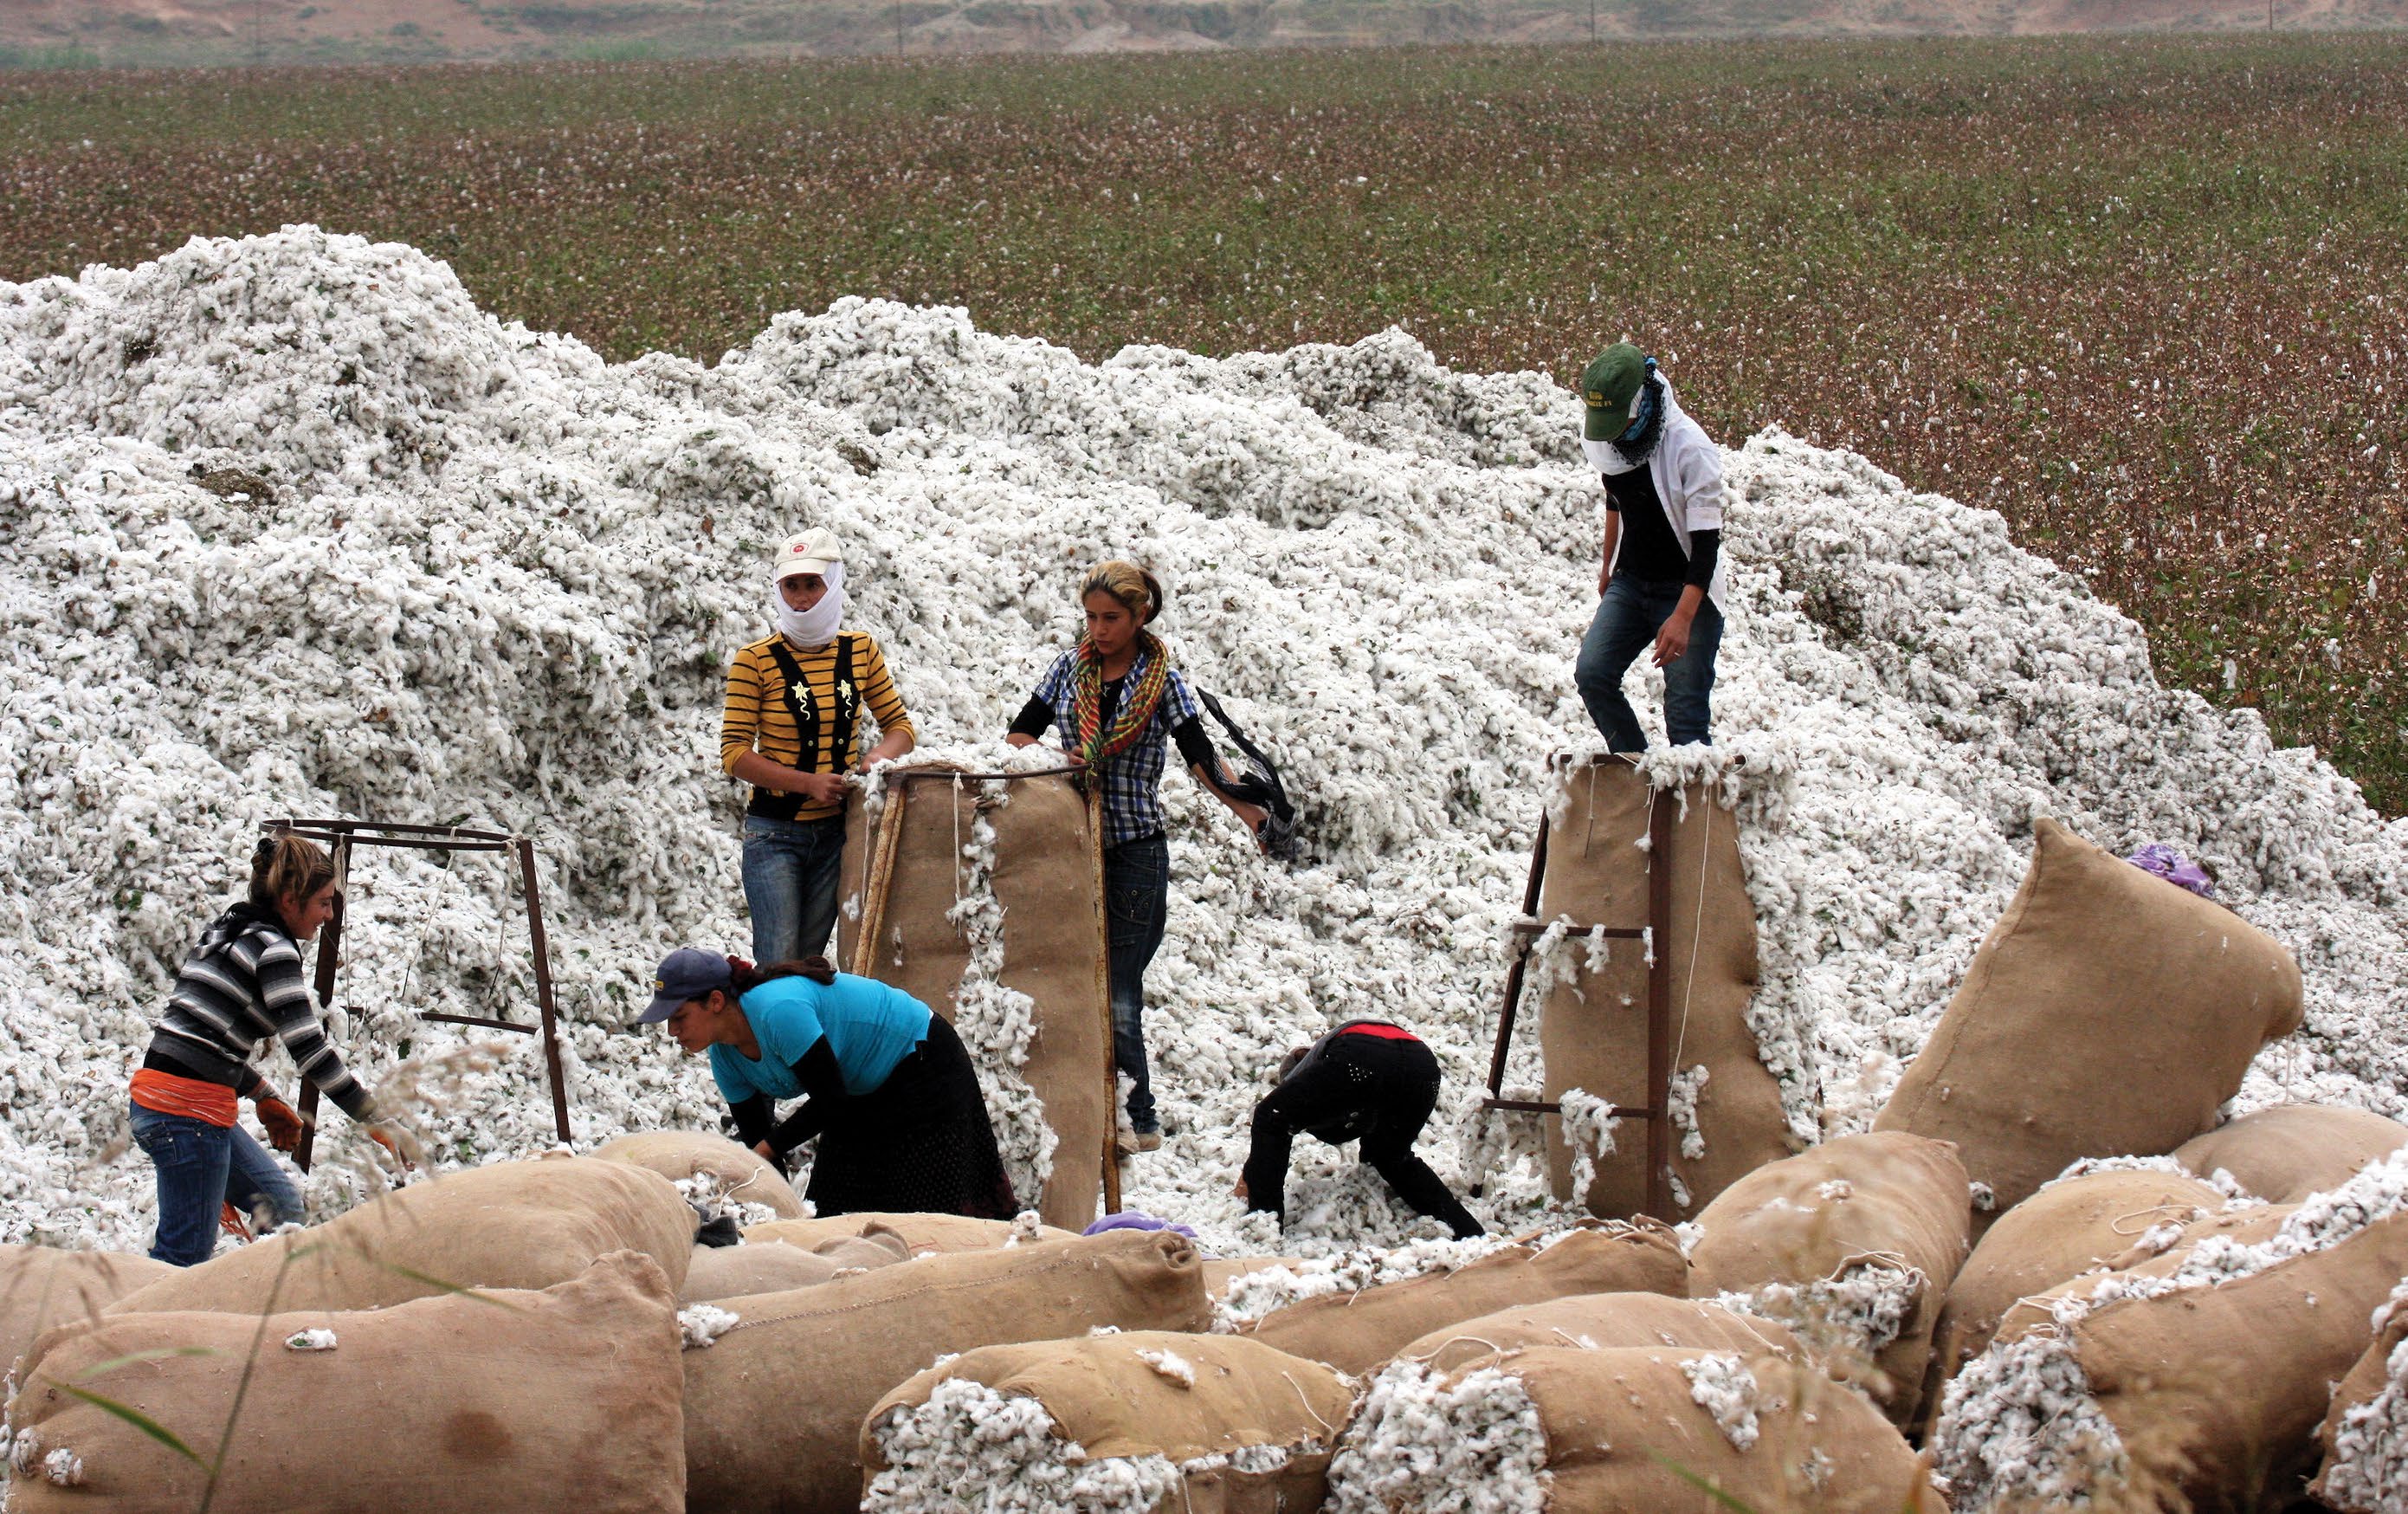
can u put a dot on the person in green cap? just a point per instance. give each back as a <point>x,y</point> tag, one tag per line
<point>1662,585</point>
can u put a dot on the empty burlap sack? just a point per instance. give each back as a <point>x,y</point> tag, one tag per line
<point>1601,1321</point>
<point>743,1174</point>
<point>1624,1429</point>
<point>42,1286</point>
<point>1144,1422</point>
<point>2364,1436</point>
<point>2065,1230</point>
<point>1044,871</point>
<point>565,1398</point>
<point>1356,1332</point>
<point>2288,1152</point>
<point>2107,1013</point>
<point>727,1272</point>
<point>924,1234</point>
<point>1592,1025</point>
<point>773,1411</point>
<point>1859,1238</point>
<point>513,1224</point>
<point>2216,1393</point>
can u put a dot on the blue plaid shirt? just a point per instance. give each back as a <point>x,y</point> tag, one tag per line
<point>1133,779</point>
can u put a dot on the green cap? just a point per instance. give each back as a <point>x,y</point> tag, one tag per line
<point>1610,387</point>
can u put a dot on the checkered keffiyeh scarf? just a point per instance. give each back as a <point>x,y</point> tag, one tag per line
<point>1137,702</point>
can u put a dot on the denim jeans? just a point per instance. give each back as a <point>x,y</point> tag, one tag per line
<point>790,883</point>
<point>1137,898</point>
<point>202,1167</point>
<point>1627,618</point>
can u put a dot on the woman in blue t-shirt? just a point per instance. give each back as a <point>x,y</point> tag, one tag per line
<point>886,1085</point>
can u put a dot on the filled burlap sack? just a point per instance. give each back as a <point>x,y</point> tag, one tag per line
<point>2107,1013</point>
<point>2067,1228</point>
<point>1593,1023</point>
<point>774,1408</point>
<point>1632,1428</point>
<point>924,1234</point>
<point>2288,1152</point>
<point>1219,1272</point>
<point>513,1224</point>
<point>1143,1422</point>
<point>2203,1398</point>
<point>1853,1244</point>
<point>1032,858</point>
<point>743,1174</point>
<point>727,1272</point>
<point>42,1286</point>
<point>2364,1436</point>
<point>1356,1332</point>
<point>563,1398</point>
<point>1600,1321</point>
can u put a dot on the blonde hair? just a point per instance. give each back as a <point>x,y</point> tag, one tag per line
<point>285,866</point>
<point>1138,590</point>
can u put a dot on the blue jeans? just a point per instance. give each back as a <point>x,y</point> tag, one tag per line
<point>1627,618</point>
<point>1137,898</point>
<point>202,1167</point>
<point>789,883</point>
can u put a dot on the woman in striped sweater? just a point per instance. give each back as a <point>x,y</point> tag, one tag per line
<point>791,729</point>
<point>241,984</point>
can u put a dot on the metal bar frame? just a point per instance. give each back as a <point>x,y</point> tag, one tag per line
<point>341,836</point>
<point>1658,1113</point>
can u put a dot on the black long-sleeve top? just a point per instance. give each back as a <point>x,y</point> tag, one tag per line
<point>1366,1081</point>
<point>823,1082</point>
<point>1651,549</point>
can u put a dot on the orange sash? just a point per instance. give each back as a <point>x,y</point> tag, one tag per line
<point>167,1094</point>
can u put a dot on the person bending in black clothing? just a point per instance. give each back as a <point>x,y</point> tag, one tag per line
<point>1366,1080</point>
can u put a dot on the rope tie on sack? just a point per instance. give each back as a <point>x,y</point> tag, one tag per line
<point>1696,926</point>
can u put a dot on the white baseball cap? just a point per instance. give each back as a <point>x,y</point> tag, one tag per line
<point>807,552</point>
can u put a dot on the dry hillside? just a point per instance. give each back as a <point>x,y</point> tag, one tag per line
<point>138,31</point>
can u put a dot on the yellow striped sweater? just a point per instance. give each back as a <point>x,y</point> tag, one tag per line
<point>758,718</point>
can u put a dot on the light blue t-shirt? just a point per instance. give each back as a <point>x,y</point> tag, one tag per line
<point>869,1026</point>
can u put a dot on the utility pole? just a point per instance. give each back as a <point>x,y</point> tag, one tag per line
<point>899,26</point>
<point>1592,20</point>
<point>259,42</point>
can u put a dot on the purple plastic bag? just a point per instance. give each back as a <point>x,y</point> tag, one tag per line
<point>2163,861</point>
<point>1134,1220</point>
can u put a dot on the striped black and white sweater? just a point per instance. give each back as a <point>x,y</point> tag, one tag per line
<point>241,984</point>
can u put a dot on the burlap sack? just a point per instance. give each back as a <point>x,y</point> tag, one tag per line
<point>566,1398</point>
<point>925,1234</point>
<point>514,1224</point>
<point>2287,1153</point>
<point>1623,1425</point>
<point>1601,1321</point>
<point>2217,1392</point>
<point>1219,1272</point>
<point>773,1411</point>
<point>1199,1402</point>
<point>727,1272</point>
<point>1045,876</point>
<point>743,1174</point>
<point>1356,1332</point>
<point>2365,1432</point>
<point>2057,1235</point>
<point>2100,982</point>
<point>1593,1025</point>
<point>1889,1201</point>
<point>42,1286</point>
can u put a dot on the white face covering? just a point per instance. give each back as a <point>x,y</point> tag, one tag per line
<point>817,625</point>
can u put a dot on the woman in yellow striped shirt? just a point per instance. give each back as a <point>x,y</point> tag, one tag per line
<point>792,730</point>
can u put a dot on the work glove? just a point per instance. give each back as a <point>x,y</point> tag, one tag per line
<point>283,1124</point>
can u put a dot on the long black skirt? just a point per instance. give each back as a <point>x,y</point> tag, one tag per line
<point>920,1142</point>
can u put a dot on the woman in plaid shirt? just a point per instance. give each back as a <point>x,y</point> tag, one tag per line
<point>1121,706</point>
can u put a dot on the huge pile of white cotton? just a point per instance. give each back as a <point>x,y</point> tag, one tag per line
<point>288,527</point>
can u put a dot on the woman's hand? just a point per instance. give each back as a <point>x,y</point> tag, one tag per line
<point>1240,1192</point>
<point>761,1148</point>
<point>1020,737</point>
<point>821,787</point>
